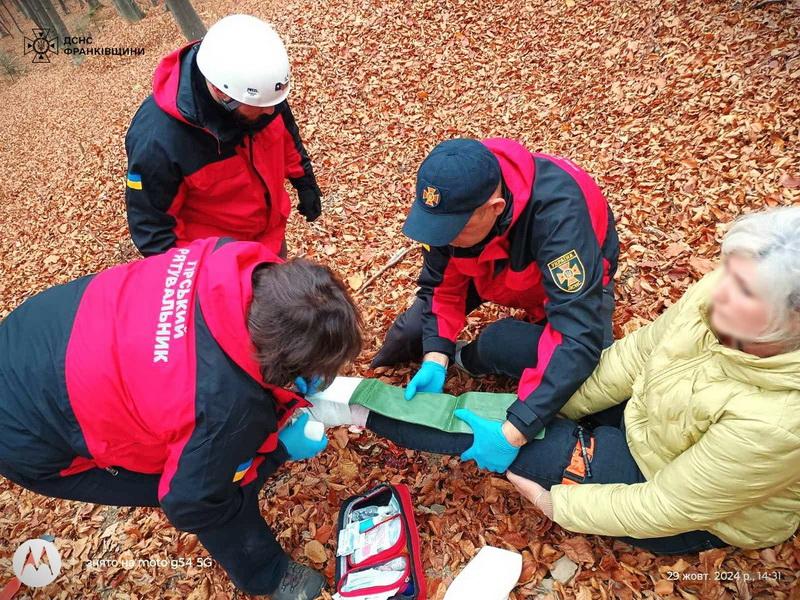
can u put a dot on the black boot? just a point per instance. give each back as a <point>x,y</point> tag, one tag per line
<point>299,583</point>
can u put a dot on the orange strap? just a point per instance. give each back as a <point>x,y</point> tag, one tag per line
<point>575,472</point>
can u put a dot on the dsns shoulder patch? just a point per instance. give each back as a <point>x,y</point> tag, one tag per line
<point>567,272</point>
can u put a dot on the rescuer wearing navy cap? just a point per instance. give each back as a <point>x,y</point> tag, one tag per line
<point>456,179</point>
<point>524,230</point>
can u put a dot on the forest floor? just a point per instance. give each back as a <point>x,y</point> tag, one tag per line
<point>686,112</point>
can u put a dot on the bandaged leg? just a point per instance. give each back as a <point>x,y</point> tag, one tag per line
<point>332,407</point>
<point>348,401</point>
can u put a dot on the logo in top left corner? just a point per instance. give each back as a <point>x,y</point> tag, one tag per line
<point>43,43</point>
<point>36,563</point>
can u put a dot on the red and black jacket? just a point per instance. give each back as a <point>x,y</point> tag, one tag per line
<point>149,366</point>
<point>194,171</point>
<point>555,251</point>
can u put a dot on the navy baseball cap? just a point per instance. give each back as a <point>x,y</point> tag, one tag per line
<point>457,177</point>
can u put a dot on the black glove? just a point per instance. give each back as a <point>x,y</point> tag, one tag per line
<point>310,205</point>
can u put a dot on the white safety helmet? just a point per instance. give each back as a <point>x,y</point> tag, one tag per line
<point>245,59</point>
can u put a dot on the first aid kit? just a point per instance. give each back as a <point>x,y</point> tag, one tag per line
<point>378,555</point>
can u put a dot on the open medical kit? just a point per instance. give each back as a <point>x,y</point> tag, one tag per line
<point>378,556</point>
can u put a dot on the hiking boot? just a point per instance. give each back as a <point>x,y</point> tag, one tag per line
<point>299,583</point>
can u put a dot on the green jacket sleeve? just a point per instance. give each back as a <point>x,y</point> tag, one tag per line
<point>612,380</point>
<point>735,464</point>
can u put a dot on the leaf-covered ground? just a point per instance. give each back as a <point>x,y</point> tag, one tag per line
<point>685,111</point>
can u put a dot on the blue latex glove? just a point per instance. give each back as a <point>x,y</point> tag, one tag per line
<point>308,387</point>
<point>297,444</point>
<point>429,378</point>
<point>490,448</point>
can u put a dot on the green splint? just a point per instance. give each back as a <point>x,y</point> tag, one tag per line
<point>431,410</point>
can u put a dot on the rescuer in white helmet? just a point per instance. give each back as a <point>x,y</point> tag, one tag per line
<point>209,149</point>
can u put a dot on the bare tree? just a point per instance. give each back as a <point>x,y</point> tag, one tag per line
<point>46,17</point>
<point>129,10</point>
<point>54,19</point>
<point>23,9</point>
<point>187,19</point>
<point>11,16</point>
<point>36,13</point>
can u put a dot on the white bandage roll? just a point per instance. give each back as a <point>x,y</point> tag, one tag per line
<point>332,407</point>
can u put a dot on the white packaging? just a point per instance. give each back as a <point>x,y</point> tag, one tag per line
<point>376,540</point>
<point>490,575</point>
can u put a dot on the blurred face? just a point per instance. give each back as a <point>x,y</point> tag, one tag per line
<point>737,308</point>
<point>243,112</point>
<point>481,221</point>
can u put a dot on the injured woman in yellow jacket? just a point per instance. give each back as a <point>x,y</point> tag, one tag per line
<point>686,436</point>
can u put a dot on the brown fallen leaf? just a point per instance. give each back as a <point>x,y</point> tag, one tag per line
<point>789,181</point>
<point>664,587</point>
<point>355,280</point>
<point>578,549</point>
<point>674,249</point>
<point>324,534</point>
<point>341,436</point>
<point>315,552</point>
<point>702,265</point>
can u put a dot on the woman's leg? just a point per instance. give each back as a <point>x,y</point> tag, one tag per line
<point>542,460</point>
<point>611,417</point>
<point>418,437</point>
<point>118,488</point>
<point>545,460</point>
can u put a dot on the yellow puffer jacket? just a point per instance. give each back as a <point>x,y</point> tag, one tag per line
<point>715,431</point>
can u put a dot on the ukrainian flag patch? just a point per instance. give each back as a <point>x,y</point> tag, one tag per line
<point>242,469</point>
<point>134,181</point>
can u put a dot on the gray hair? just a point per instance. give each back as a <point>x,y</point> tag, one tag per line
<point>772,238</point>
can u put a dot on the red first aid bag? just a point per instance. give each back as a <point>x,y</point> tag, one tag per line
<point>379,556</point>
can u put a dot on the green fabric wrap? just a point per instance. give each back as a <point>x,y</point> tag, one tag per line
<point>431,410</point>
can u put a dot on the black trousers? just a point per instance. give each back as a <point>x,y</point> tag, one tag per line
<point>121,487</point>
<point>504,347</point>
<point>544,461</point>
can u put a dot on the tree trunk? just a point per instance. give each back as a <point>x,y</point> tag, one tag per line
<point>23,9</point>
<point>64,7</point>
<point>55,19</point>
<point>13,20</point>
<point>187,18</point>
<point>36,13</point>
<point>129,10</point>
<point>51,20</point>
